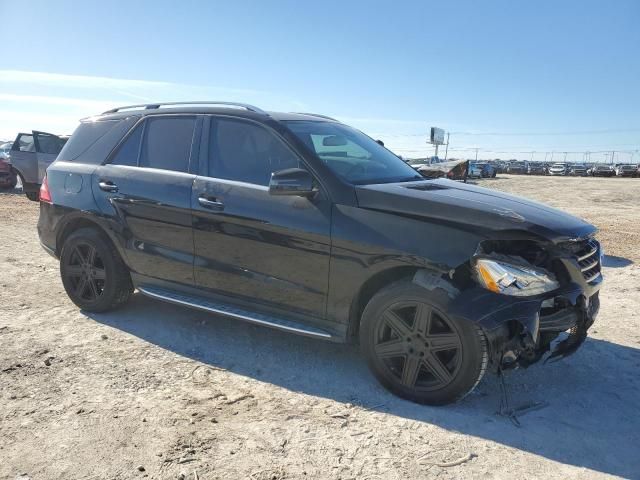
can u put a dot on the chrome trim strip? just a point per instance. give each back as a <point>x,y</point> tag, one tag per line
<point>595,249</point>
<point>593,277</point>
<point>590,266</point>
<point>235,315</point>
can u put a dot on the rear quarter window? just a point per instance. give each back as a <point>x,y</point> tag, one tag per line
<point>85,136</point>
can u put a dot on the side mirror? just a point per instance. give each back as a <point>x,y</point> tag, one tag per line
<point>292,181</point>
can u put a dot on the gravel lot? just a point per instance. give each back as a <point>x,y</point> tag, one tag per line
<point>157,391</point>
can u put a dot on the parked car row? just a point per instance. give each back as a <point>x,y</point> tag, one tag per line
<point>572,169</point>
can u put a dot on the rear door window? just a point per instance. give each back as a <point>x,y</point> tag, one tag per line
<point>167,143</point>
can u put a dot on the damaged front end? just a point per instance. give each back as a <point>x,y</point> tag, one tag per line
<point>527,295</point>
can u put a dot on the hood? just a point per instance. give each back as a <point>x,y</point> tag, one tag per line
<point>474,207</point>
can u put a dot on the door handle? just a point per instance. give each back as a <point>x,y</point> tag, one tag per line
<point>211,203</point>
<point>107,186</point>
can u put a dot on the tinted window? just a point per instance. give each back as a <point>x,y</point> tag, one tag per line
<point>167,143</point>
<point>49,143</point>
<point>86,135</point>
<point>128,152</point>
<point>24,143</point>
<point>246,152</point>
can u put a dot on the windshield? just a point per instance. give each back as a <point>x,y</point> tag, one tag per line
<point>352,155</point>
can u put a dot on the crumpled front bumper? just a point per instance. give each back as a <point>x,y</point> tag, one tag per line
<point>520,330</point>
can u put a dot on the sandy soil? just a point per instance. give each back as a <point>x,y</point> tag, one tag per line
<point>157,391</point>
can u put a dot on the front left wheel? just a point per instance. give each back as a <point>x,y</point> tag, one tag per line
<point>418,351</point>
<point>93,274</point>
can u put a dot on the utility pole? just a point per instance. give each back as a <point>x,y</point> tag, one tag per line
<point>545,156</point>
<point>565,157</point>
<point>551,157</point>
<point>476,154</point>
<point>446,150</point>
<point>613,154</point>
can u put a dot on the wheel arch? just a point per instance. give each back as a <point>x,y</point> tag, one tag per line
<point>423,277</point>
<point>18,173</point>
<point>369,288</point>
<point>77,222</point>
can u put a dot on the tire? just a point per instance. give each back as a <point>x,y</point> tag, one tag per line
<point>33,196</point>
<point>93,274</point>
<point>418,352</point>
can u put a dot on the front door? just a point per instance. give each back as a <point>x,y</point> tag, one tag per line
<point>145,189</point>
<point>271,251</point>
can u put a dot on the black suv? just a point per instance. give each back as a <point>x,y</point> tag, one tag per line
<point>301,223</point>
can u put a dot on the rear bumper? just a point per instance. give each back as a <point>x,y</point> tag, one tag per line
<point>50,251</point>
<point>47,222</point>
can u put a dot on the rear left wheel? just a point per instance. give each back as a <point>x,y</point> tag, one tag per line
<point>416,350</point>
<point>93,274</point>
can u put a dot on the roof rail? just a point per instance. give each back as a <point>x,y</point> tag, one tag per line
<point>316,115</point>
<point>152,106</point>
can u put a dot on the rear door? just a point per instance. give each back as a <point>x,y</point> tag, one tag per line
<point>145,189</point>
<point>267,250</point>
<point>48,147</point>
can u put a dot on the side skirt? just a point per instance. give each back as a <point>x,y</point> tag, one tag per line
<point>215,306</point>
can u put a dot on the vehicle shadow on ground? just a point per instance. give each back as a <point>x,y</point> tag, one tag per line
<point>12,191</point>
<point>612,261</point>
<point>592,419</point>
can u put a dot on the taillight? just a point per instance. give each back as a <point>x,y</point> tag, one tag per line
<point>45,195</point>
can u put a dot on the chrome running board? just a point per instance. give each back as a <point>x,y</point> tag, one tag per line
<point>231,311</point>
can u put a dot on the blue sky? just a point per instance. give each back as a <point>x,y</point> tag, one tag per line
<point>503,76</point>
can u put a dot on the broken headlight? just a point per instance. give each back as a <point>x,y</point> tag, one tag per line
<point>513,279</point>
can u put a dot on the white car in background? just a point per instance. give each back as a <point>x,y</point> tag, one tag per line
<point>626,170</point>
<point>558,169</point>
<point>5,149</point>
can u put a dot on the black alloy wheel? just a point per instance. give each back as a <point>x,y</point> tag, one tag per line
<point>419,346</point>
<point>85,272</point>
<point>93,274</point>
<point>416,350</point>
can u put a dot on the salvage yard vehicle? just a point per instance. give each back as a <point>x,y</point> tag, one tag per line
<point>626,170</point>
<point>8,177</point>
<point>517,167</point>
<point>31,154</point>
<point>5,150</point>
<point>481,170</point>
<point>558,169</point>
<point>602,171</point>
<point>435,167</point>
<point>536,168</point>
<point>301,223</point>
<point>577,170</point>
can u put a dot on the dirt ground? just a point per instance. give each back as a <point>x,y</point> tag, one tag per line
<point>163,392</point>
